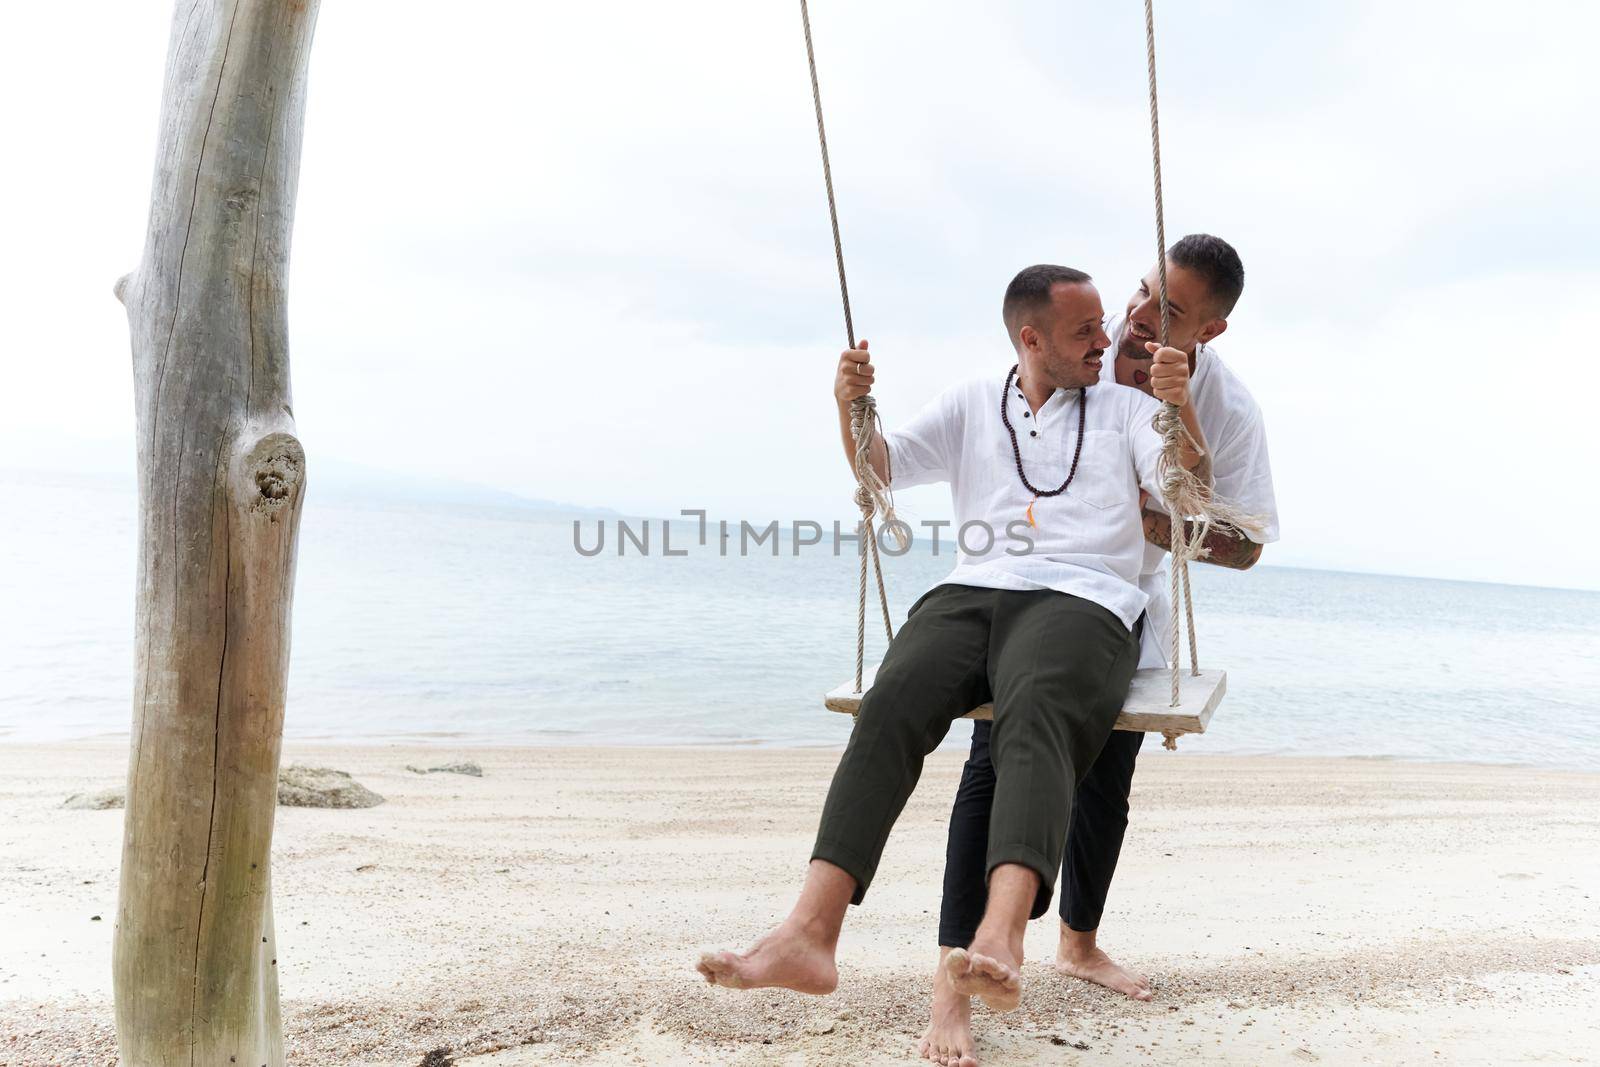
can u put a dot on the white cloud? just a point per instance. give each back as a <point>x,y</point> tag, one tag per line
<point>581,251</point>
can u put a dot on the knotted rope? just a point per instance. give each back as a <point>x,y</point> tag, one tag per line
<point>872,494</point>
<point>1190,503</point>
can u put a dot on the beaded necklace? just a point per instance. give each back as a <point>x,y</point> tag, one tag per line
<point>1016,452</point>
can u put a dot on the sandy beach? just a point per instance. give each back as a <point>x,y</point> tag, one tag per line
<point>1288,911</point>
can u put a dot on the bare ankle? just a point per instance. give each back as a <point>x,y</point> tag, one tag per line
<point>1013,888</point>
<point>993,932</point>
<point>1076,944</point>
<point>1000,939</point>
<point>814,929</point>
<point>818,915</point>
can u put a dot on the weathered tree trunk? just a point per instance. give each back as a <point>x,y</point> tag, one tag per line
<point>221,479</point>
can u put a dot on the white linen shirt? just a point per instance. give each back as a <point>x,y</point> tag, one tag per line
<point>1236,438</point>
<point>1089,541</point>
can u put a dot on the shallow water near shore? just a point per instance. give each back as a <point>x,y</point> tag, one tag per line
<point>474,624</point>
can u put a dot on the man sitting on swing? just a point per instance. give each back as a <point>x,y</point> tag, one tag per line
<point>1044,626</point>
<point>1204,279</point>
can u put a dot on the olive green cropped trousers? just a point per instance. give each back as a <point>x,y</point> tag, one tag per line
<point>1057,669</point>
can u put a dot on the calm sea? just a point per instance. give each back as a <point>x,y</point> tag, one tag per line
<point>469,624</point>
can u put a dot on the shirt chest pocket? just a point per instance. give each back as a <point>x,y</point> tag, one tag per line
<point>1105,471</point>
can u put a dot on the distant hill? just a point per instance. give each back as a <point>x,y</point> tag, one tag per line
<point>106,464</point>
<point>335,480</point>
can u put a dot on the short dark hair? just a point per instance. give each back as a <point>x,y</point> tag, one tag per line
<point>1218,266</point>
<point>1030,291</point>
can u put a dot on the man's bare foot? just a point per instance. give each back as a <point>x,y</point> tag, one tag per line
<point>1077,956</point>
<point>788,958</point>
<point>948,1039</point>
<point>988,972</point>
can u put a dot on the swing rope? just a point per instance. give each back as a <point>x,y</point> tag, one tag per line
<point>1194,510</point>
<point>872,494</point>
<point>1183,491</point>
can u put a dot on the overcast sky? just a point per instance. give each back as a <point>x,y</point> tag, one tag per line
<point>580,251</point>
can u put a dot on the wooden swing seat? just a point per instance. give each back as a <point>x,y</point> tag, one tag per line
<point>1147,709</point>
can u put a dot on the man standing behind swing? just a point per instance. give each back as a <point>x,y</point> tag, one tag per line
<point>1047,634</point>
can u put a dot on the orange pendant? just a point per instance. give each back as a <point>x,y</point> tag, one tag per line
<point>1035,525</point>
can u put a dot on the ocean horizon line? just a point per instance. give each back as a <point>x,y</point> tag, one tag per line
<point>464,497</point>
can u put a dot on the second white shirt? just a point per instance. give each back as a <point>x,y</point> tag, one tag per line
<point>1236,436</point>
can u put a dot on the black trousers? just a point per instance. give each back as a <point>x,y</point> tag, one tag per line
<point>1096,823</point>
<point>1056,667</point>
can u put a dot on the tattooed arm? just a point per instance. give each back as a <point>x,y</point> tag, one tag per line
<point>1225,546</point>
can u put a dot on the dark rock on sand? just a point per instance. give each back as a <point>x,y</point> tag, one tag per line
<point>467,767</point>
<point>298,787</point>
<point>322,787</point>
<point>105,800</point>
